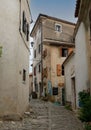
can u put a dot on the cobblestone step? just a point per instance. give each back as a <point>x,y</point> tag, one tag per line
<point>44,116</point>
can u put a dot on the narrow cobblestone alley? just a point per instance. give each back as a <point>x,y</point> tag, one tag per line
<point>44,116</point>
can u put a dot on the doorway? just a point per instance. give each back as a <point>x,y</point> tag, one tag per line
<point>73,93</point>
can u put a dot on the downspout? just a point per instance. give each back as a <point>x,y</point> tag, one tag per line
<point>41,55</point>
<point>20,17</point>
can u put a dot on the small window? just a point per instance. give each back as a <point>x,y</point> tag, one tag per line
<point>25,26</point>
<point>24,22</point>
<point>34,53</point>
<point>39,68</point>
<point>34,71</point>
<point>64,52</point>
<point>27,32</point>
<point>24,75</point>
<point>58,28</point>
<point>62,70</point>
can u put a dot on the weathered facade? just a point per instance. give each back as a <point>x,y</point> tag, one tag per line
<point>52,43</point>
<point>14,58</point>
<point>69,80</point>
<point>83,47</point>
<point>81,80</point>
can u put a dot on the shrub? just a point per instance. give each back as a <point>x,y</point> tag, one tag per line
<point>88,127</point>
<point>68,107</point>
<point>85,110</point>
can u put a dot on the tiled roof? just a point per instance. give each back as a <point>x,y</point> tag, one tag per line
<point>77,7</point>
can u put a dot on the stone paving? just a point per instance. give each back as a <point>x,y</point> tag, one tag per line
<point>44,116</point>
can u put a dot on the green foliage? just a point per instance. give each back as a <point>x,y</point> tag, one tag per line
<point>0,51</point>
<point>85,111</point>
<point>68,107</point>
<point>88,127</point>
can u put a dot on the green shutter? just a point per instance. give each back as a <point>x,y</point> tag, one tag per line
<point>0,51</point>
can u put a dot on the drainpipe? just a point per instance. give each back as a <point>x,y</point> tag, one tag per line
<point>20,17</point>
<point>41,54</point>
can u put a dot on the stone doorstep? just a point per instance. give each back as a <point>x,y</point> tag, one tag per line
<point>16,117</point>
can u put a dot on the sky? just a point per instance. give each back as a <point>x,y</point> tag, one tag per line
<point>62,9</point>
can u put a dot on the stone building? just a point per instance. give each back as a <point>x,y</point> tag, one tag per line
<point>81,60</point>
<point>14,57</point>
<point>69,80</point>
<point>53,41</point>
<point>83,45</point>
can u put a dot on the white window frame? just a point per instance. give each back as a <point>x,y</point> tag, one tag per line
<point>59,26</point>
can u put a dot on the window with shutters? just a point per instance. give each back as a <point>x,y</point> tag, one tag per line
<point>64,52</point>
<point>25,26</point>
<point>34,71</point>
<point>24,22</point>
<point>62,70</point>
<point>58,70</point>
<point>27,32</point>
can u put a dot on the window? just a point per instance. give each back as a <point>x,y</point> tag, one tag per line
<point>25,26</point>
<point>24,22</point>
<point>39,68</point>
<point>34,71</point>
<point>64,52</point>
<point>24,75</point>
<point>58,28</point>
<point>62,70</point>
<point>27,32</point>
<point>34,53</point>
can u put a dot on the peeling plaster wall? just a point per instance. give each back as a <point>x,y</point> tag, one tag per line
<point>15,57</point>
<point>81,67</point>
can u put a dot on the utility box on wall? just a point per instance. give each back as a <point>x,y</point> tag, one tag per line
<point>55,90</point>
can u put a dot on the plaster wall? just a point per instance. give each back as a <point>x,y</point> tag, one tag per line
<point>14,92</point>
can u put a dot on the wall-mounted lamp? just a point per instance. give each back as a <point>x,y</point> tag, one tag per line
<point>31,65</point>
<point>32,44</point>
<point>31,21</point>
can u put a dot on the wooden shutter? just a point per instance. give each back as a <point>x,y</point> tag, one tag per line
<point>58,70</point>
<point>70,50</point>
<point>45,72</point>
<point>34,71</point>
<point>27,35</point>
<point>23,21</point>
